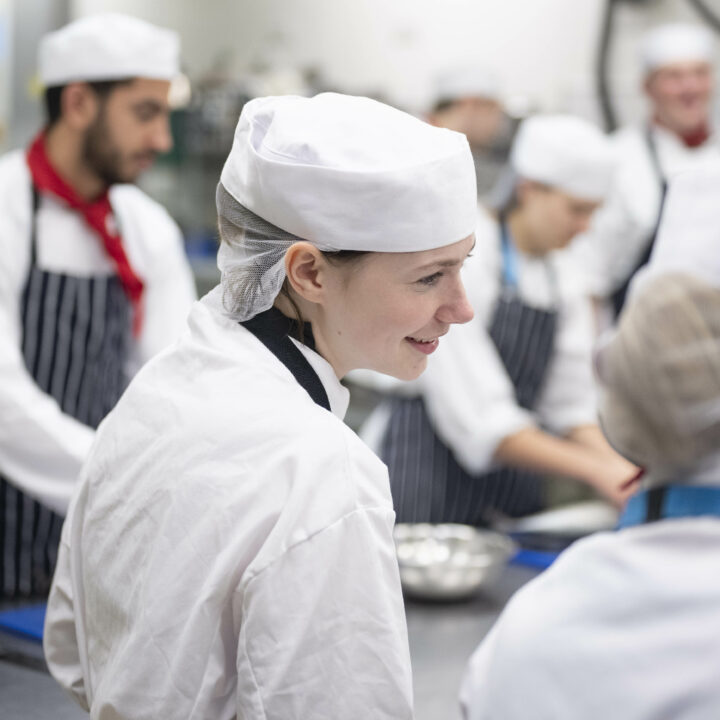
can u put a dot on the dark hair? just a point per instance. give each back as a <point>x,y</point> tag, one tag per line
<point>334,257</point>
<point>444,104</point>
<point>53,96</point>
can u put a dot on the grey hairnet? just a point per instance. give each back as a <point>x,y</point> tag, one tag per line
<point>251,258</point>
<point>660,372</point>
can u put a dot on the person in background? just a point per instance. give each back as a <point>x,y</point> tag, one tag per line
<point>510,396</point>
<point>242,565</point>
<point>677,136</point>
<point>93,277</point>
<point>627,624</point>
<point>468,100</point>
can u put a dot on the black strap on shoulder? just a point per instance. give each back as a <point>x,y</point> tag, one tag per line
<point>33,225</point>
<point>273,330</point>
<point>618,298</point>
<point>655,499</point>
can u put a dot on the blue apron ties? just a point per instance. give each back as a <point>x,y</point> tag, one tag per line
<point>618,297</point>
<point>670,501</point>
<point>75,343</point>
<point>427,482</point>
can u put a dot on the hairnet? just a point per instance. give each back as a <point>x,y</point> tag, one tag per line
<point>660,372</point>
<point>343,173</point>
<point>251,258</point>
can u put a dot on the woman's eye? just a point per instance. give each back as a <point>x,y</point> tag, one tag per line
<point>430,279</point>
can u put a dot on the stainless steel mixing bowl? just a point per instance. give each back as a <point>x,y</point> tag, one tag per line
<point>449,561</point>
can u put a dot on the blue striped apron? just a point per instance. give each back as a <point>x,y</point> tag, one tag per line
<point>76,333</point>
<point>427,482</point>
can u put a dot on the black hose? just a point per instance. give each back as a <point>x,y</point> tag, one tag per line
<point>601,74</point>
<point>710,16</point>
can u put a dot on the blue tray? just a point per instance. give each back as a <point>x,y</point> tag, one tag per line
<point>26,621</point>
<point>539,559</point>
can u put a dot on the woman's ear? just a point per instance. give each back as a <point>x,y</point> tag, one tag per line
<point>305,269</point>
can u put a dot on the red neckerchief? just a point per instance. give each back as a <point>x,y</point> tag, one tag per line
<point>98,214</point>
<point>696,138</point>
<point>692,139</point>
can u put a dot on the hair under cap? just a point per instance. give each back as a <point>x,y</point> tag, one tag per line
<point>564,152</point>
<point>675,42</point>
<point>660,374</point>
<point>350,173</point>
<point>108,46</point>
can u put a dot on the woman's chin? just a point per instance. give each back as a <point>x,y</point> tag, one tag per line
<point>410,372</point>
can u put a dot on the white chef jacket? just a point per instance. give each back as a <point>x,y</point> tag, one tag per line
<point>689,237</point>
<point>42,448</point>
<point>230,550</point>
<point>623,625</point>
<point>468,394</point>
<point>609,252</point>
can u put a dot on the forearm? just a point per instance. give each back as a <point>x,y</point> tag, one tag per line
<point>41,448</point>
<point>585,457</point>
<point>533,449</point>
<point>591,437</point>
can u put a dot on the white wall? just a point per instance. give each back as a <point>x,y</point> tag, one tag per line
<point>543,50</point>
<point>6,51</point>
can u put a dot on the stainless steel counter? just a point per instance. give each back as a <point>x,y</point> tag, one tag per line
<point>442,638</point>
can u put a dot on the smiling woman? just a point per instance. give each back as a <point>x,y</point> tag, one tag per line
<point>227,512</point>
<point>509,398</point>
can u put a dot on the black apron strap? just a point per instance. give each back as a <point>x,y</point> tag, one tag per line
<point>655,499</point>
<point>33,225</point>
<point>273,330</point>
<point>618,297</point>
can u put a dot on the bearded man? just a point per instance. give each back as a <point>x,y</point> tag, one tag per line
<point>93,277</point>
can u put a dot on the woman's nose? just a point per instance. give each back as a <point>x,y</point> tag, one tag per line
<point>458,308</point>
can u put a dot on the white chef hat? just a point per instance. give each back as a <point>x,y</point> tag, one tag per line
<point>467,81</point>
<point>660,374</point>
<point>108,46</point>
<point>564,152</point>
<point>689,234</point>
<point>675,42</point>
<point>344,173</point>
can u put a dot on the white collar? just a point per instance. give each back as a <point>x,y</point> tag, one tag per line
<point>338,395</point>
<point>221,333</point>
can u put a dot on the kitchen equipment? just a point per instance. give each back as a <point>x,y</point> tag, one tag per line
<point>449,561</point>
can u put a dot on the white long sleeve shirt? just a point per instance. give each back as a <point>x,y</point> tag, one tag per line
<point>608,253</point>
<point>230,551</point>
<point>42,448</point>
<point>623,625</point>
